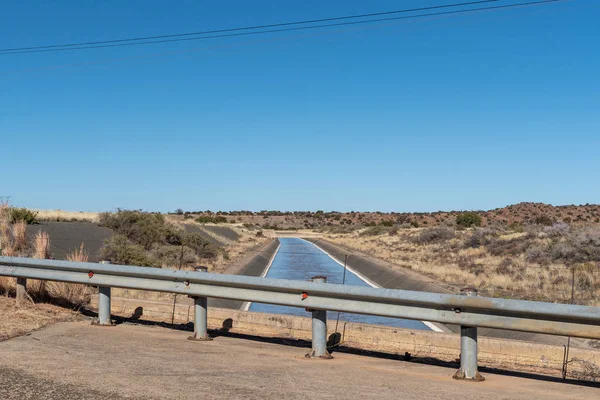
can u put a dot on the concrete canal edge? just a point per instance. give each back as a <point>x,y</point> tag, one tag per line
<point>256,264</point>
<point>413,344</point>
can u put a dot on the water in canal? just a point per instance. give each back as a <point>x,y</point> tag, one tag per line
<point>298,259</point>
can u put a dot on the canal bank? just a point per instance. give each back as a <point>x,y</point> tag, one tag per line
<point>389,276</point>
<point>256,263</point>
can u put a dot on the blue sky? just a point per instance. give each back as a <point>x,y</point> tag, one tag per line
<point>465,112</point>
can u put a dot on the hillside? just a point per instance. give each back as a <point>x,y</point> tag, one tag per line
<point>521,213</point>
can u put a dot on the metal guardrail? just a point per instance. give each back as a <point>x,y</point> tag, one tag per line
<point>467,310</point>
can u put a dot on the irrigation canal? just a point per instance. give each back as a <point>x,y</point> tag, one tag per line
<point>298,259</point>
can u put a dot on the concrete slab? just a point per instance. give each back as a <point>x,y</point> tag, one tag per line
<point>130,361</point>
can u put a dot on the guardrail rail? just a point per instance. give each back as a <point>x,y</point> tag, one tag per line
<point>466,310</point>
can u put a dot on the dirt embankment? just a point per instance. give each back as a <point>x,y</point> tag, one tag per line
<point>66,237</point>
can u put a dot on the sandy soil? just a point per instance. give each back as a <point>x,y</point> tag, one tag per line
<point>73,359</point>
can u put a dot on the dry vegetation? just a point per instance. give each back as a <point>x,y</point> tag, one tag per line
<point>534,262</point>
<point>16,321</point>
<point>13,242</point>
<point>67,216</point>
<point>522,213</point>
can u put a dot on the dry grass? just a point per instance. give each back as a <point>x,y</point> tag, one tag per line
<point>5,226</point>
<point>497,276</point>
<point>60,215</point>
<point>15,321</point>
<point>14,241</point>
<point>41,245</point>
<point>67,294</point>
<point>79,255</point>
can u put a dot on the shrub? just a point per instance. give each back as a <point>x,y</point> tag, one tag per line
<point>202,247</point>
<point>543,220</point>
<point>173,236</point>
<point>120,250</point>
<point>374,231</point>
<point>434,235</point>
<point>557,230</point>
<point>207,219</point>
<point>468,219</point>
<point>341,229</point>
<point>478,238</point>
<point>23,214</point>
<point>512,247</point>
<point>141,228</point>
<point>468,264</point>
<point>516,227</point>
<point>385,222</point>
<point>173,256</point>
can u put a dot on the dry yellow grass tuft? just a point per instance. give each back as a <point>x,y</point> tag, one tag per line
<point>60,215</point>
<point>41,245</point>
<point>79,255</point>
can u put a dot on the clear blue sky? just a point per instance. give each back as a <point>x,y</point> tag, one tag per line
<point>465,112</point>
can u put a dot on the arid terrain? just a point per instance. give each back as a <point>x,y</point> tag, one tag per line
<point>522,213</point>
<point>528,251</point>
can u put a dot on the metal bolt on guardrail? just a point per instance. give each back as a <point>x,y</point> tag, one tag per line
<point>200,315</point>
<point>319,329</point>
<point>468,347</point>
<point>103,302</point>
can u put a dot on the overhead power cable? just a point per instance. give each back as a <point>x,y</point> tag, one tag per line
<point>18,49</point>
<point>178,38</point>
<point>364,23</point>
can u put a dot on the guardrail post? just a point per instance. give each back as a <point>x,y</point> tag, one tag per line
<point>21,295</point>
<point>104,304</point>
<point>319,329</point>
<point>468,348</point>
<point>200,315</point>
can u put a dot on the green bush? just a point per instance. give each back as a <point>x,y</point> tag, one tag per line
<point>120,250</point>
<point>544,220</point>
<point>468,219</point>
<point>152,232</point>
<point>173,256</point>
<point>139,227</point>
<point>23,214</point>
<point>202,247</point>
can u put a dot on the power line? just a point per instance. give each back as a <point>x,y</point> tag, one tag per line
<point>228,45</point>
<point>471,10</point>
<point>59,47</point>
